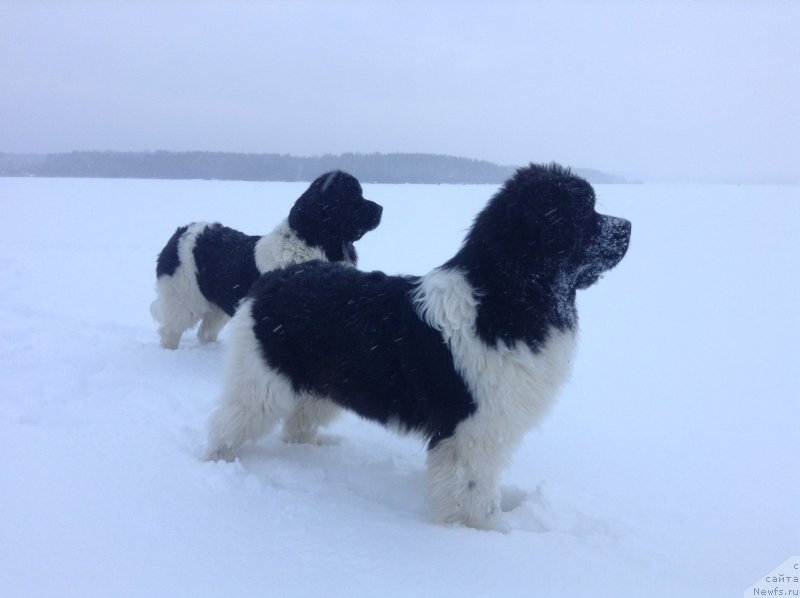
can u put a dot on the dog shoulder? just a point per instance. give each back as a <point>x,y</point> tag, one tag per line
<point>501,377</point>
<point>282,247</point>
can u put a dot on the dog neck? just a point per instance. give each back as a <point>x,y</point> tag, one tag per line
<point>511,309</point>
<point>285,245</point>
<point>282,247</point>
<point>335,249</point>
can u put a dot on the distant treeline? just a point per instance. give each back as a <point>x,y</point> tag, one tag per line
<point>368,168</point>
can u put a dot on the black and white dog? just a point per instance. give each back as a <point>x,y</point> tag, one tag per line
<point>469,356</point>
<point>206,269</point>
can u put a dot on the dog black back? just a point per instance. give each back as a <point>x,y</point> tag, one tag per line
<point>355,337</point>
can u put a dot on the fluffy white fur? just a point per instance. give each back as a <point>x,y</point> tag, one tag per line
<point>256,397</point>
<point>512,388</point>
<point>180,304</point>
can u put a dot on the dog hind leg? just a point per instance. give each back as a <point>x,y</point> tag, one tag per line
<point>173,321</point>
<point>212,323</point>
<point>254,398</point>
<point>309,415</point>
<point>249,408</point>
<point>178,306</point>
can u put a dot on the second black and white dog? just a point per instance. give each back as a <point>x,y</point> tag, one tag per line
<point>469,356</point>
<point>206,269</point>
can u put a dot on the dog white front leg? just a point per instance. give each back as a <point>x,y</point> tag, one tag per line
<point>310,414</point>
<point>462,483</point>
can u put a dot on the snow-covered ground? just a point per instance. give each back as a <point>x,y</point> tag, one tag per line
<point>669,467</point>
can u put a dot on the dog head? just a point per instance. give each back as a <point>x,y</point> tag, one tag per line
<point>542,224</point>
<point>332,213</point>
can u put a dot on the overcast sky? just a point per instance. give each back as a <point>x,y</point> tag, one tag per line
<point>656,90</point>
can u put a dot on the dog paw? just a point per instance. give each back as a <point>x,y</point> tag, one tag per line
<point>224,453</point>
<point>488,520</point>
<point>169,344</point>
<point>477,514</point>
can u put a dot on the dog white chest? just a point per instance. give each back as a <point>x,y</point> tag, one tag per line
<point>512,386</point>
